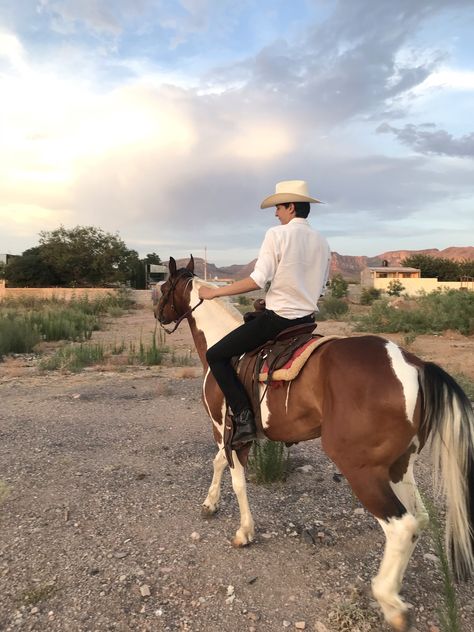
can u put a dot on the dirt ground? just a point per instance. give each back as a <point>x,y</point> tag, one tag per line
<point>102,475</point>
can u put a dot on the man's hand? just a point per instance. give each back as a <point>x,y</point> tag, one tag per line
<point>207,293</point>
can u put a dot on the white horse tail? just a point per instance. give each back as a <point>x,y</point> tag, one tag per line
<point>448,422</point>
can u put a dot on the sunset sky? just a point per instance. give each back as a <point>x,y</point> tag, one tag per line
<point>168,121</point>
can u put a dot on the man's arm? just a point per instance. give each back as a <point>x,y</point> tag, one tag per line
<point>238,287</point>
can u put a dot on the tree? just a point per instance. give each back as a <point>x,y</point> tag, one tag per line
<point>395,288</point>
<point>29,270</point>
<point>338,286</point>
<point>85,256</point>
<point>152,258</point>
<point>438,267</point>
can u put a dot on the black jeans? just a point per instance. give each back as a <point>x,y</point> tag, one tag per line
<point>245,338</point>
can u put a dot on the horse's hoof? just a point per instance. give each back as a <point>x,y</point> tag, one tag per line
<point>207,512</point>
<point>399,622</point>
<point>237,543</point>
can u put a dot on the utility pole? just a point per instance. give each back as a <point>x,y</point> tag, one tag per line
<point>205,263</point>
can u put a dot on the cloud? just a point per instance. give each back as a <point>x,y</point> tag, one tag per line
<point>116,141</point>
<point>426,139</point>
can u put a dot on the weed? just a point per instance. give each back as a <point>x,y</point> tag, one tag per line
<point>268,461</point>
<point>448,612</point>
<point>354,615</point>
<point>4,491</point>
<point>182,360</point>
<point>151,355</point>
<point>32,596</point>
<point>16,335</point>
<point>74,358</point>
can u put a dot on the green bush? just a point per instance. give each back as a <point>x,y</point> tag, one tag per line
<point>338,286</point>
<point>332,307</point>
<point>395,288</point>
<point>369,295</point>
<point>25,321</point>
<point>17,335</point>
<point>74,358</point>
<point>268,461</point>
<point>433,313</point>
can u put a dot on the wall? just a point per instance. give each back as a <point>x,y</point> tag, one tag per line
<point>64,293</point>
<point>417,286</point>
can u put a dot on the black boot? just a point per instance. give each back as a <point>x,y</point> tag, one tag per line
<point>244,429</point>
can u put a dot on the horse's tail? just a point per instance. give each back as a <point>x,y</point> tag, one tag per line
<point>448,421</point>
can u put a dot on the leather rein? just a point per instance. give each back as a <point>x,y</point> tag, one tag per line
<point>186,274</point>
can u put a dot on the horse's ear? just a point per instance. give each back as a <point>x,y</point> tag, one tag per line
<point>190,265</point>
<point>172,266</point>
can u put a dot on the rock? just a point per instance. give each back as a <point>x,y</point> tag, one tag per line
<point>145,590</point>
<point>320,627</point>
<point>286,624</point>
<point>360,511</point>
<point>306,469</point>
<point>230,590</point>
<point>195,536</point>
<point>120,554</point>
<point>431,557</point>
<point>300,625</point>
<point>267,536</point>
<point>34,610</point>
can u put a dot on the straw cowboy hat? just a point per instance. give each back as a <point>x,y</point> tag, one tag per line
<point>289,191</point>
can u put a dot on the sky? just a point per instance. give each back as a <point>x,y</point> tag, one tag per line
<point>169,121</point>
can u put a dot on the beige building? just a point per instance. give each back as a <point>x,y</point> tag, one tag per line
<point>411,279</point>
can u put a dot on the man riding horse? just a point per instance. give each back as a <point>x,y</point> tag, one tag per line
<point>295,258</point>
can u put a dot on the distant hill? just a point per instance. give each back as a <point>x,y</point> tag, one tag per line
<point>349,266</point>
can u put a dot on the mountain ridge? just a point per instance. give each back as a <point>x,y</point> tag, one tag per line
<point>350,266</point>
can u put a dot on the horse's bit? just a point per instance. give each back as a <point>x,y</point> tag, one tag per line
<point>164,301</point>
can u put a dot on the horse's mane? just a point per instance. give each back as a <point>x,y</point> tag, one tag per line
<point>222,301</point>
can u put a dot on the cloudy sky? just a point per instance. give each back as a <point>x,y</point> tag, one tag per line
<point>168,121</point>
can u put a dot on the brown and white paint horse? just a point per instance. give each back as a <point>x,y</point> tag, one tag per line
<point>374,406</point>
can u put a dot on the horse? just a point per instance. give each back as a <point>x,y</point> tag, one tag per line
<point>375,406</point>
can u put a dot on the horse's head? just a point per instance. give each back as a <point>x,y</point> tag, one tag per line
<point>175,293</point>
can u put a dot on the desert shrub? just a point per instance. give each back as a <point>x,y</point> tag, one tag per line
<point>149,355</point>
<point>27,320</point>
<point>17,336</point>
<point>433,313</point>
<point>338,286</point>
<point>268,461</point>
<point>332,307</point>
<point>395,288</point>
<point>369,295</point>
<point>74,358</point>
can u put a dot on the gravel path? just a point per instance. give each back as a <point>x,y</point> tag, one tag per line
<point>102,475</point>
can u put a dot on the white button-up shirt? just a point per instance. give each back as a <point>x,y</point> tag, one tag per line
<point>295,258</point>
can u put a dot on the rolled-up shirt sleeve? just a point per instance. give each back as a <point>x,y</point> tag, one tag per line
<point>267,261</point>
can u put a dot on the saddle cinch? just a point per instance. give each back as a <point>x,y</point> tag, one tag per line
<point>274,362</point>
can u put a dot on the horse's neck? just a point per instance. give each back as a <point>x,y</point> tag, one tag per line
<point>211,321</point>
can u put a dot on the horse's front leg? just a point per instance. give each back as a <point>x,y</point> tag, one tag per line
<point>211,504</point>
<point>245,534</point>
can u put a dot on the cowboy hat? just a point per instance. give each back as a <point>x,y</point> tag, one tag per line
<point>289,191</point>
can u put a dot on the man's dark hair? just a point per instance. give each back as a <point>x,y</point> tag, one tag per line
<point>301,208</point>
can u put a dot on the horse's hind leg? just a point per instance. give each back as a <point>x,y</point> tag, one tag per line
<point>211,504</point>
<point>402,535</point>
<point>401,523</point>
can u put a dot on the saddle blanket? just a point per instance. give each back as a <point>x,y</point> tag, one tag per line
<point>294,365</point>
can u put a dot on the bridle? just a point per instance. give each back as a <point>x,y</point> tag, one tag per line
<point>184,274</point>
